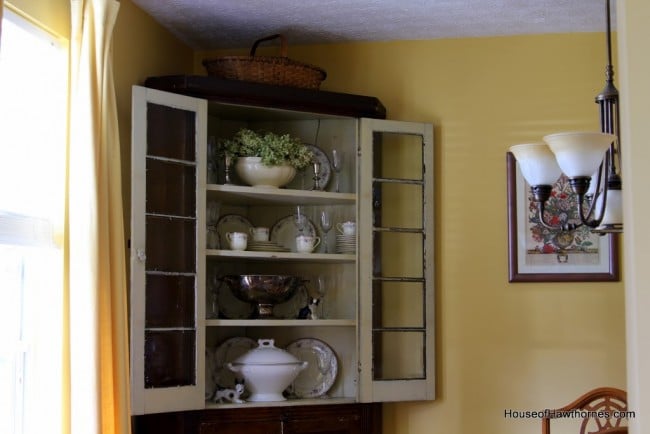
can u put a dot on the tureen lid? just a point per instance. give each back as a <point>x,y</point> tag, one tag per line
<point>266,354</point>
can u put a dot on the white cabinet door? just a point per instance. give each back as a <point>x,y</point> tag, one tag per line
<point>396,343</point>
<point>167,251</point>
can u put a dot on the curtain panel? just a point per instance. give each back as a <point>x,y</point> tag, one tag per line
<point>96,381</point>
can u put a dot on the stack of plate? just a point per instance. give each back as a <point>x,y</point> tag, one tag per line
<point>265,246</point>
<point>346,243</point>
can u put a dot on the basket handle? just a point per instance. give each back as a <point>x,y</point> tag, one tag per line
<point>283,44</point>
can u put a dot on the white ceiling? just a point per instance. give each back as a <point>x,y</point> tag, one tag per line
<point>212,24</point>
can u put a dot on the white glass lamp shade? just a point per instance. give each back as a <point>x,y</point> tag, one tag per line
<point>537,163</point>
<point>579,153</point>
<point>614,209</point>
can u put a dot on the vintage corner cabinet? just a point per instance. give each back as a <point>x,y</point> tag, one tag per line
<point>377,306</point>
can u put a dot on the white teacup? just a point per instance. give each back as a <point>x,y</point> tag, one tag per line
<point>306,244</point>
<point>260,233</point>
<point>347,228</point>
<point>237,240</point>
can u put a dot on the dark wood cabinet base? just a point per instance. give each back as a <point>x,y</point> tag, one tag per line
<point>316,419</point>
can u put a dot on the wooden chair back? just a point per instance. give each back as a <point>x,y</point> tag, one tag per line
<point>603,411</point>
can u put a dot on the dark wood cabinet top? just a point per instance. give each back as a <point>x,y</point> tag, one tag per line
<point>264,95</point>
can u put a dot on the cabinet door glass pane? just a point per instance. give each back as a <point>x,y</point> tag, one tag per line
<point>398,254</point>
<point>400,355</point>
<point>169,301</point>
<point>170,132</point>
<point>398,156</point>
<point>404,205</point>
<point>171,188</point>
<point>169,358</point>
<point>398,304</point>
<point>171,244</point>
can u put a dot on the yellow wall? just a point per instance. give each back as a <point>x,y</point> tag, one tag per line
<point>500,346</point>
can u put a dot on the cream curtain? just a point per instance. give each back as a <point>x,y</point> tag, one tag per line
<point>96,395</point>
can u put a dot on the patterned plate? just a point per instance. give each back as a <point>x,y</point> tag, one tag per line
<point>320,374</point>
<point>284,232</point>
<point>304,180</point>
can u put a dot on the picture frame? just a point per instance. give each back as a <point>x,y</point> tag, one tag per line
<point>536,254</point>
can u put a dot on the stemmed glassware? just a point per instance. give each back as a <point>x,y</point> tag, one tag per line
<point>300,219</point>
<point>325,225</point>
<point>316,177</point>
<point>321,287</point>
<point>337,162</point>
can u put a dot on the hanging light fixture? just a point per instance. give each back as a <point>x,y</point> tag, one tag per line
<point>588,159</point>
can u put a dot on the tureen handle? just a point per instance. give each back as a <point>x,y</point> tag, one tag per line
<point>266,343</point>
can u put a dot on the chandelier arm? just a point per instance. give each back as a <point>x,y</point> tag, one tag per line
<point>563,227</point>
<point>580,198</point>
<point>592,198</point>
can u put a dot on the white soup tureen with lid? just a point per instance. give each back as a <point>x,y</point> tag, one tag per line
<point>267,371</point>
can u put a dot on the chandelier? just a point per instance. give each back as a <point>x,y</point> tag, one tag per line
<point>590,161</point>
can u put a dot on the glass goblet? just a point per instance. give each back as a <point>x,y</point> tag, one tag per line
<point>325,225</point>
<point>337,164</point>
<point>321,287</point>
<point>300,219</point>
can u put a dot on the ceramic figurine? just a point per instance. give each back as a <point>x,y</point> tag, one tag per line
<point>230,395</point>
<point>309,311</point>
<point>312,308</point>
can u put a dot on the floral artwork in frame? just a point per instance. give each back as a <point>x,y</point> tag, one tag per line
<point>539,254</point>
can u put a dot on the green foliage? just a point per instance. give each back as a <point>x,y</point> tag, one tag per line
<point>274,149</point>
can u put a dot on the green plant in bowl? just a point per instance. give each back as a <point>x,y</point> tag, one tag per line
<point>273,149</point>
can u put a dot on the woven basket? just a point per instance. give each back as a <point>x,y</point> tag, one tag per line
<point>280,71</point>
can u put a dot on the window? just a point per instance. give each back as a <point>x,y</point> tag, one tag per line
<point>33,110</point>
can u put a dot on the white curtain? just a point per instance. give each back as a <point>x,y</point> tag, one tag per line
<point>96,395</point>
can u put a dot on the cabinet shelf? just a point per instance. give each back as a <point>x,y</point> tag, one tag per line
<point>287,256</point>
<point>244,195</point>
<point>306,401</point>
<point>280,322</point>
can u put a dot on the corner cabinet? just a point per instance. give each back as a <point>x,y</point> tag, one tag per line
<point>377,305</point>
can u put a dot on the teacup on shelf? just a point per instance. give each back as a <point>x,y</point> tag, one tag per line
<point>237,240</point>
<point>347,228</point>
<point>306,243</point>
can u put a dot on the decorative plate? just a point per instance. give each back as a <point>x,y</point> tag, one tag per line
<point>231,223</point>
<point>284,232</point>
<point>305,180</point>
<point>320,374</point>
<point>225,353</point>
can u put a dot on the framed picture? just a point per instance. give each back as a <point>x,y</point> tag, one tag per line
<point>538,254</point>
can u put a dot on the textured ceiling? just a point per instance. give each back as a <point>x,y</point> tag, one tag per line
<point>212,24</point>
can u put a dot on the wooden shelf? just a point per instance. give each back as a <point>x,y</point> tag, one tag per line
<point>280,322</point>
<point>244,195</point>
<point>306,401</point>
<point>288,256</point>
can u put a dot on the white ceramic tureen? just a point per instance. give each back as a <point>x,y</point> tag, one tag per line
<point>267,371</point>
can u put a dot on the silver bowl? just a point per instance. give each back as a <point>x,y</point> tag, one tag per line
<point>263,290</point>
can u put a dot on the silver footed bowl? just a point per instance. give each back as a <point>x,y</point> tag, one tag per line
<point>263,290</point>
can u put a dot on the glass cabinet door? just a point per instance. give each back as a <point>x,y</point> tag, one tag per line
<point>397,279</point>
<point>167,270</point>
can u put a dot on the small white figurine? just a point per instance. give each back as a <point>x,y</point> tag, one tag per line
<point>230,395</point>
<point>312,308</point>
